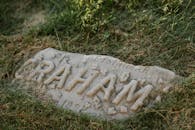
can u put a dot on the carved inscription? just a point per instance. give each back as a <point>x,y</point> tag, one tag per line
<point>128,89</point>
<point>60,75</point>
<point>90,87</point>
<point>101,87</point>
<point>106,85</point>
<point>140,96</point>
<point>87,82</point>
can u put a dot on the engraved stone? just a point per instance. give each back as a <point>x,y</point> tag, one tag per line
<point>130,88</point>
<point>101,86</point>
<point>139,96</point>
<point>64,70</point>
<point>94,84</point>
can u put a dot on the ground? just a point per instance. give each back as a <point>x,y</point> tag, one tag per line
<point>141,33</point>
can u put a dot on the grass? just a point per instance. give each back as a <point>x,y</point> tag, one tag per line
<point>140,33</point>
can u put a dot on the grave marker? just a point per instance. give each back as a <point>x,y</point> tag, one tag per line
<point>94,84</point>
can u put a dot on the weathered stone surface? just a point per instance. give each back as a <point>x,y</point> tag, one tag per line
<point>98,85</point>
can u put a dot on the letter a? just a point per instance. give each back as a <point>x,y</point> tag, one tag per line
<point>100,87</point>
<point>61,74</point>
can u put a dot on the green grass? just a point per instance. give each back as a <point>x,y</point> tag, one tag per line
<point>136,32</point>
<point>13,14</point>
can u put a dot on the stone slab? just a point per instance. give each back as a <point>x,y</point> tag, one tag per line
<point>98,85</point>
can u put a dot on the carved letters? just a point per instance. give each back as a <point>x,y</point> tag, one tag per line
<point>87,82</point>
<point>93,84</point>
<point>128,89</point>
<point>64,71</point>
<point>106,85</point>
<point>101,87</point>
<point>140,96</point>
